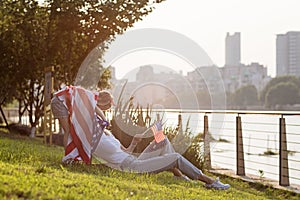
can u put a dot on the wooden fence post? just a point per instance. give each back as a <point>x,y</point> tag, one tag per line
<point>240,163</point>
<point>283,155</point>
<point>206,139</point>
<point>48,89</point>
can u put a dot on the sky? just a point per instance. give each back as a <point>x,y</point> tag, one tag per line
<point>207,22</point>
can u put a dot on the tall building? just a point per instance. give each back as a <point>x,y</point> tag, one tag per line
<point>233,49</point>
<point>288,53</point>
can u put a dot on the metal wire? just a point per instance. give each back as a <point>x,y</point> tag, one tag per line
<point>262,139</point>
<point>265,171</point>
<point>294,178</point>
<point>258,147</point>
<point>259,131</point>
<point>288,124</point>
<point>230,129</point>
<point>291,142</point>
<point>298,161</point>
<point>223,156</point>
<point>261,163</point>
<point>261,123</point>
<point>291,133</point>
<point>294,169</point>
<point>220,162</point>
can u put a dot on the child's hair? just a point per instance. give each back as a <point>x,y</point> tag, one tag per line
<point>105,100</point>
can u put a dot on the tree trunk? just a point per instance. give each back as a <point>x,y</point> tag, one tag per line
<point>3,115</point>
<point>32,132</point>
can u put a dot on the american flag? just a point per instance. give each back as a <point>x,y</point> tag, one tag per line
<point>158,132</point>
<point>80,103</point>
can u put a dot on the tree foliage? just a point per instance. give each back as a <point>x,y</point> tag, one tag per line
<point>60,34</point>
<point>283,94</point>
<point>277,80</point>
<point>23,53</point>
<point>76,27</point>
<point>245,96</point>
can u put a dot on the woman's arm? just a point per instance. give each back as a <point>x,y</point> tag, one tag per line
<point>100,113</point>
<point>136,139</point>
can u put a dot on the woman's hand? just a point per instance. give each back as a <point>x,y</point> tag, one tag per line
<point>137,138</point>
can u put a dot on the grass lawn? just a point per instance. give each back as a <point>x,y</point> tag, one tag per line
<point>30,169</point>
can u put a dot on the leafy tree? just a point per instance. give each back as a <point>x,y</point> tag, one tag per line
<point>21,53</point>
<point>59,34</point>
<point>76,27</point>
<point>277,80</point>
<point>283,94</point>
<point>246,95</point>
<point>27,35</point>
<point>104,80</point>
<point>7,89</point>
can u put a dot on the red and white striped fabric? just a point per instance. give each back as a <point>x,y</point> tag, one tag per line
<point>81,106</point>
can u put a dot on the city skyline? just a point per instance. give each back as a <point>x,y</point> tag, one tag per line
<point>288,54</point>
<point>207,23</point>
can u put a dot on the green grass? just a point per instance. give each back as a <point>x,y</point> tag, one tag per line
<point>30,169</point>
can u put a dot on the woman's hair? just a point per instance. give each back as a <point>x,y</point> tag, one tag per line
<point>105,100</point>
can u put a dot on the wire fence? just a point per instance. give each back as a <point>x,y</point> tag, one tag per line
<point>261,140</point>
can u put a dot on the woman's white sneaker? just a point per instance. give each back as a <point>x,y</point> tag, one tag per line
<point>218,185</point>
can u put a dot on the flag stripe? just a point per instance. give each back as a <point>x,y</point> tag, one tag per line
<point>83,124</point>
<point>86,100</point>
<point>78,144</point>
<point>71,146</point>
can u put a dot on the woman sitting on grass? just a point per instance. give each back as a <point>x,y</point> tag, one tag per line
<point>156,157</point>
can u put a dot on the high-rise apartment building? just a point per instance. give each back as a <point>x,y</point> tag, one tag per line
<point>288,53</point>
<point>233,49</point>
